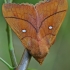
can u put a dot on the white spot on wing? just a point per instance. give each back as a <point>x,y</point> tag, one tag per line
<point>50,27</point>
<point>24,31</point>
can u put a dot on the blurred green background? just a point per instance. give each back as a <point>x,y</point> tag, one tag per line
<point>59,54</point>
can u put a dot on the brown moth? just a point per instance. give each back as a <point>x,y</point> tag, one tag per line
<point>36,25</point>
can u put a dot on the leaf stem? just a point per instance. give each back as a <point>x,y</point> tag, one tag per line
<point>11,49</point>
<point>26,57</point>
<point>6,63</point>
<point>8,1</point>
<point>10,43</point>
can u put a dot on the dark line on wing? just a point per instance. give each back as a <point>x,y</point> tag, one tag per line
<point>25,37</point>
<point>50,34</point>
<point>34,38</point>
<point>22,19</point>
<point>50,16</point>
